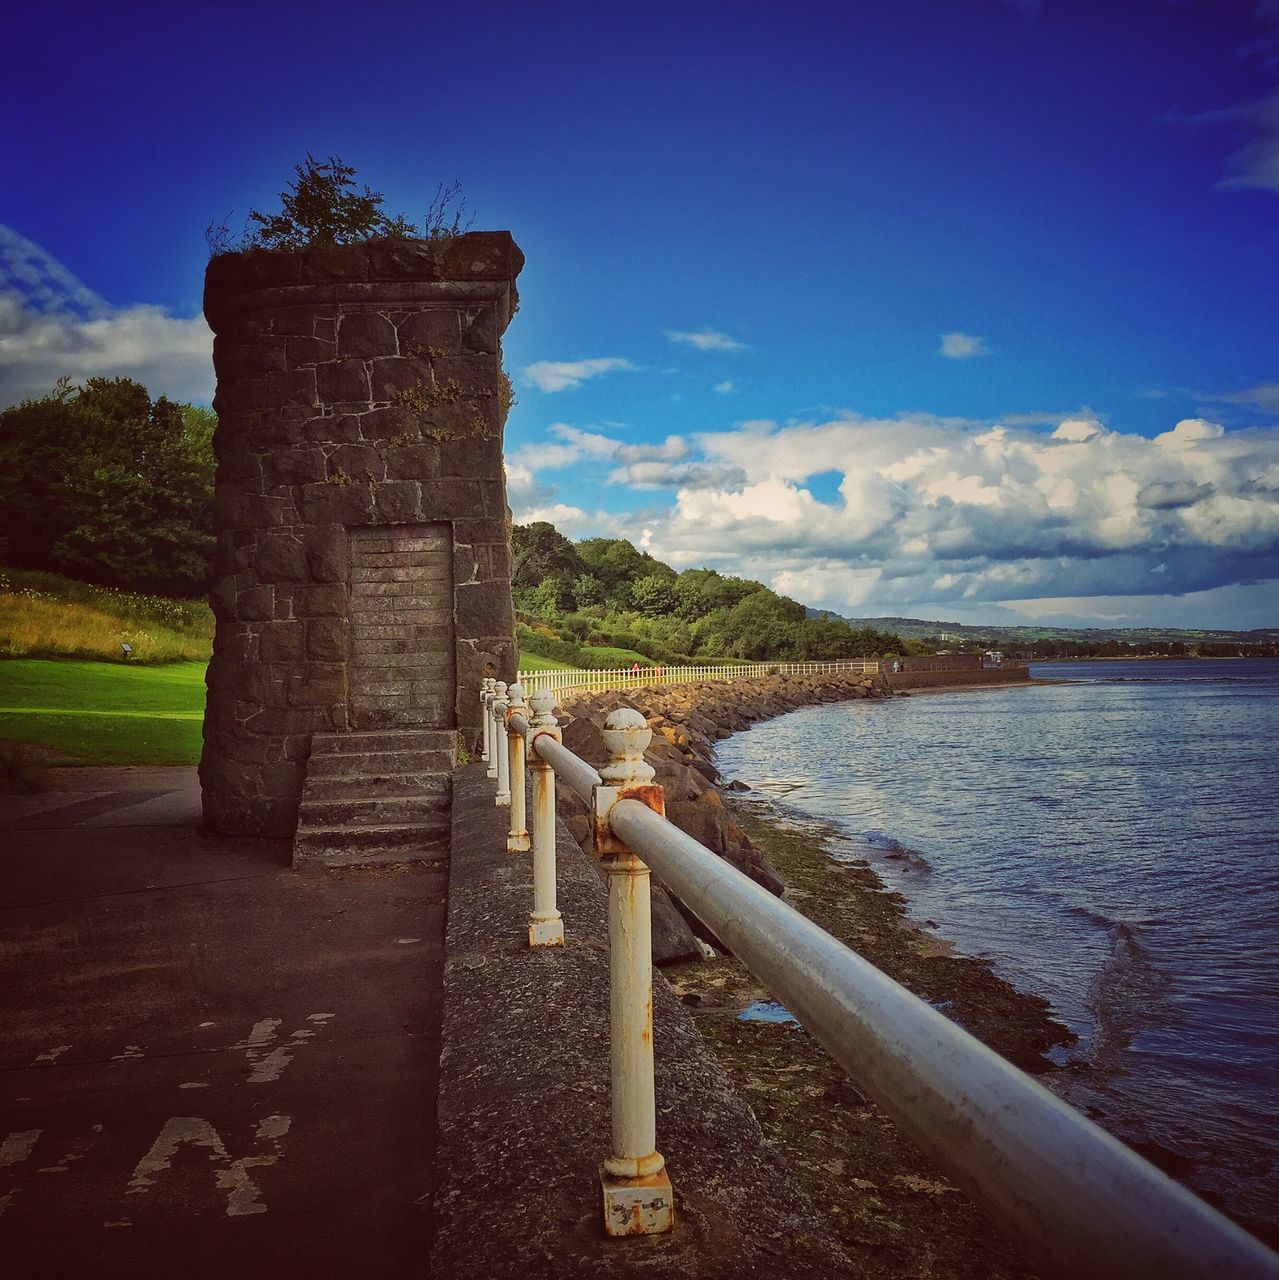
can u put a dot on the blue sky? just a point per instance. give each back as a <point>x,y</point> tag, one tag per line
<point>895,306</point>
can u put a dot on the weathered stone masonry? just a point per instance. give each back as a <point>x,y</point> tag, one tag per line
<point>362,569</point>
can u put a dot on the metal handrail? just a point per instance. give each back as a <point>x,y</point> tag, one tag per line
<point>582,779</point>
<point>1077,1198</point>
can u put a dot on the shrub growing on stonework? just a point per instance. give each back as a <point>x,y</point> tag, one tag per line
<point>324,206</point>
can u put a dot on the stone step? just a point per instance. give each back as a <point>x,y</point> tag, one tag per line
<point>391,842</point>
<point>380,740</point>
<point>371,812</point>
<point>343,765</point>
<point>431,788</point>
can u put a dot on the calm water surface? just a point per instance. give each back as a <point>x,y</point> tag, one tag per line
<point>1111,843</point>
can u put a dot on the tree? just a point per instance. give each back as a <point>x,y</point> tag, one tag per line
<point>551,597</point>
<point>538,550</point>
<point>588,591</point>
<point>323,206</point>
<point>618,565</point>
<point>101,483</point>
<point>653,595</point>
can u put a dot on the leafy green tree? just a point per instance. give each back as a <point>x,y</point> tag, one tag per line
<point>653,595</point>
<point>618,565</point>
<point>103,484</point>
<point>540,550</point>
<point>588,591</point>
<point>551,597</point>
<point>699,592</point>
<point>323,207</point>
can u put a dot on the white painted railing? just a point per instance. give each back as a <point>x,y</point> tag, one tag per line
<point>1080,1201</point>
<point>627,678</point>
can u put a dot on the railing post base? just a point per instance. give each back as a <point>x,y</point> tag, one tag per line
<point>547,932</point>
<point>643,1206</point>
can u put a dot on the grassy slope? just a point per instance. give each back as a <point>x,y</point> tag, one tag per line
<point>105,713</point>
<point>46,615</point>
<point>531,662</point>
<point>609,657</point>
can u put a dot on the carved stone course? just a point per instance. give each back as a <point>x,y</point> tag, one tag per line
<point>360,408</point>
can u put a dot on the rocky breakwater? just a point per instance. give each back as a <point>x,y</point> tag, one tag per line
<point>687,720</point>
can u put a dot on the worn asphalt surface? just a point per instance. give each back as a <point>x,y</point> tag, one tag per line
<point>211,1064</point>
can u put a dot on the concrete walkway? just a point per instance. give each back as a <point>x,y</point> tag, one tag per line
<point>210,1063</point>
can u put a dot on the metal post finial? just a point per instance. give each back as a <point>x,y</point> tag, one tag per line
<point>542,704</point>
<point>626,735</point>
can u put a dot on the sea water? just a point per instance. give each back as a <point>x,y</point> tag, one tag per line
<point>1111,843</point>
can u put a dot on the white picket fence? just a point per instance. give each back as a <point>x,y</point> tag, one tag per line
<point>625,678</point>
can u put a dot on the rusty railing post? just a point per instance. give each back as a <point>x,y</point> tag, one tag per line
<point>485,685</point>
<point>490,756</point>
<point>637,1189</point>
<point>501,750</point>
<point>517,835</point>
<point>545,925</point>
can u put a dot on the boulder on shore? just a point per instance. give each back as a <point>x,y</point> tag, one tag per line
<point>686,721</point>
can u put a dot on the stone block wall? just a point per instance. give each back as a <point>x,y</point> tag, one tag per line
<point>943,679</point>
<point>360,407</point>
<point>941,662</point>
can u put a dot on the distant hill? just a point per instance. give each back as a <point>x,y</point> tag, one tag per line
<point>990,635</point>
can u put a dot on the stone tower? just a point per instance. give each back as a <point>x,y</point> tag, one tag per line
<point>362,577</point>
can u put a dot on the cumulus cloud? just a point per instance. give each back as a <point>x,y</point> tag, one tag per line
<point>53,325</point>
<point>962,346</point>
<point>706,340</point>
<point>947,514</point>
<point>727,387</point>
<point>562,375</point>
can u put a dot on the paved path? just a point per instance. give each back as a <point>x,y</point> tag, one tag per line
<point>210,1064</point>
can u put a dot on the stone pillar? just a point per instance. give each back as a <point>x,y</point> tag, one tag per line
<point>362,572</point>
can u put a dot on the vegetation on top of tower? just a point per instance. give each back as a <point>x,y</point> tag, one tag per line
<point>323,205</point>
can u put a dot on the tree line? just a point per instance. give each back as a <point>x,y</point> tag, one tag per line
<point>606,592</point>
<point>100,482</point>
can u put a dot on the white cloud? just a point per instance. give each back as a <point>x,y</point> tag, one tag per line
<point>962,346</point>
<point>1189,433</point>
<point>936,514</point>
<point>561,375</point>
<point>52,325</point>
<point>727,387</point>
<point>706,340</point>
<point>1077,430</point>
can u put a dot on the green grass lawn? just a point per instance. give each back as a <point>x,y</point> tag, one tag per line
<point>609,657</point>
<point>531,662</point>
<point>105,713</point>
